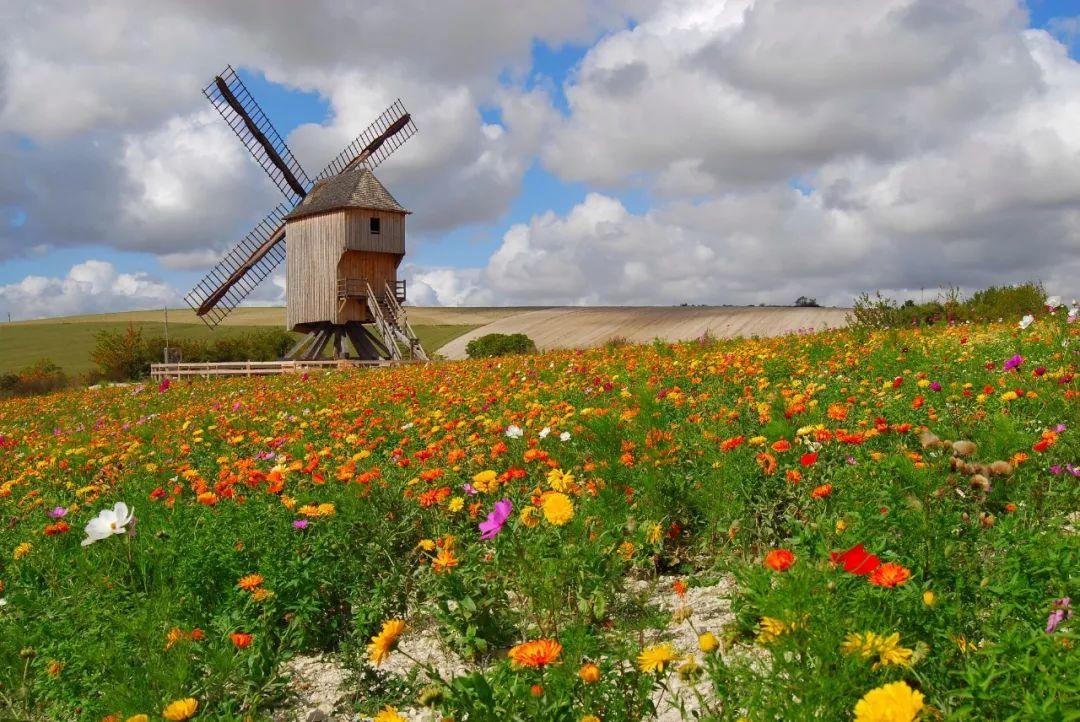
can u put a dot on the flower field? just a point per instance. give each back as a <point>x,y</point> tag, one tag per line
<point>891,518</point>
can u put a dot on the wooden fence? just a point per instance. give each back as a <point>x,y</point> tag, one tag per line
<point>257,368</point>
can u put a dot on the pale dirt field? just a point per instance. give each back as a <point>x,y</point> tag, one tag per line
<point>580,327</point>
<point>275,316</point>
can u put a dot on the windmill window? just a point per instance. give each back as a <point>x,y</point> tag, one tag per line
<point>374,226</point>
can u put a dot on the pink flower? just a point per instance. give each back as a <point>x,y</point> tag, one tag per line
<point>1012,363</point>
<point>164,386</point>
<point>496,519</point>
<point>1062,610</point>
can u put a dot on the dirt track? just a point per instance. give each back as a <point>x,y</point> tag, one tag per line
<point>578,327</point>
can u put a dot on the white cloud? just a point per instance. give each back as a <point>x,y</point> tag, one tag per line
<point>89,287</point>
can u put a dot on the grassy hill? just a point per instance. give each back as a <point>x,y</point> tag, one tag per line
<point>68,341</point>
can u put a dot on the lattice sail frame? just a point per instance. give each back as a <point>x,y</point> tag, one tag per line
<point>235,259</point>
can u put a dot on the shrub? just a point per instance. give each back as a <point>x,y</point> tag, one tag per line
<point>123,354</point>
<point>41,377</point>
<point>500,344</point>
<point>128,354</point>
<point>991,304</point>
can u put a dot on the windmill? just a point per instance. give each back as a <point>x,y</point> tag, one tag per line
<point>346,238</point>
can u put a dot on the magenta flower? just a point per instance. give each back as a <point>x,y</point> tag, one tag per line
<point>935,386</point>
<point>1062,610</point>
<point>1012,363</point>
<point>164,386</point>
<point>496,519</point>
<point>300,524</point>
<point>58,513</point>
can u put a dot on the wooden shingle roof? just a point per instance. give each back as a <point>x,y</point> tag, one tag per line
<point>355,188</point>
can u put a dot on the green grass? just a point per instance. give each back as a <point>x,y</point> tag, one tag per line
<point>69,344</point>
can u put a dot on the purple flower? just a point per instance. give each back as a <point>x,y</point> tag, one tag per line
<point>58,513</point>
<point>469,489</point>
<point>1062,610</point>
<point>1056,469</point>
<point>935,386</point>
<point>300,524</point>
<point>496,519</point>
<point>1059,428</point>
<point>1012,363</point>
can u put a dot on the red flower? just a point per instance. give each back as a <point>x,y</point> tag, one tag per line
<point>808,459</point>
<point>856,560</point>
<point>56,529</point>
<point>680,587</point>
<point>241,640</point>
<point>779,559</point>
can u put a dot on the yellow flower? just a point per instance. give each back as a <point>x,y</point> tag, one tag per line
<point>558,509</point>
<point>655,533</point>
<point>21,551</point>
<point>180,710</point>
<point>456,504</point>
<point>388,714</point>
<point>653,659</point>
<point>137,718</point>
<point>708,642</point>
<point>895,702</point>
<point>590,718</point>
<point>384,642</point>
<point>560,481</point>
<point>928,598</point>
<point>485,481</point>
<point>427,545</point>
<point>530,516</point>
<point>886,649</point>
<point>770,629</point>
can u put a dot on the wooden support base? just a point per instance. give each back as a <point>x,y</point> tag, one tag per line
<point>367,346</point>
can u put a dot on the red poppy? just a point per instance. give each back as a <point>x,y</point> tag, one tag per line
<point>856,560</point>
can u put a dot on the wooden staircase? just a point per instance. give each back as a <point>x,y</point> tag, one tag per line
<point>393,324</point>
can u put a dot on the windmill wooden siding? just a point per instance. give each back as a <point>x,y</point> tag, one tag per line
<point>316,260</point>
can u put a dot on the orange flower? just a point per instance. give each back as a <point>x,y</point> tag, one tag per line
<point>680,587</point>
<point>781,445</point>
<point>589,673</point>
<point>537,653</point>
<point>250,582</point>
<point>241,640</point>
<point>779,559</point>
<point>890,575</point>
<point>820,492</point>
<point>767,462</point>
<point>444,561</point>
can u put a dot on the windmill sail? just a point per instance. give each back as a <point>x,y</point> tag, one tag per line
<point>236,275</point>
<point>388,133</point>
<point>231,98</point>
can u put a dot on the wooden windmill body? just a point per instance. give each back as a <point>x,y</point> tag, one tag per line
<point>345,239</point>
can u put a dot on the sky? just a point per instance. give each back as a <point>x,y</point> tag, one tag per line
<point>616,152</point>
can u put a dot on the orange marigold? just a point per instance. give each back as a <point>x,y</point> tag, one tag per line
<point>890,575</point>
<point>250,582</point>
<point>537,653</point>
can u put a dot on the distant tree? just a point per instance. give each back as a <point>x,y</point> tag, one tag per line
<point>806,302</point>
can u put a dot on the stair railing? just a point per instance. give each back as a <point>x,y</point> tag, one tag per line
<point>402,320</point>
<point>385,329</point>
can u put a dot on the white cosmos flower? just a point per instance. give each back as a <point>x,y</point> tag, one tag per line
<point>514,431</point>
<point>1027,321</point>
<point>1053,302</point>
<point>564,436</point>
<point>107,522</point>
<point>544,432</point>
